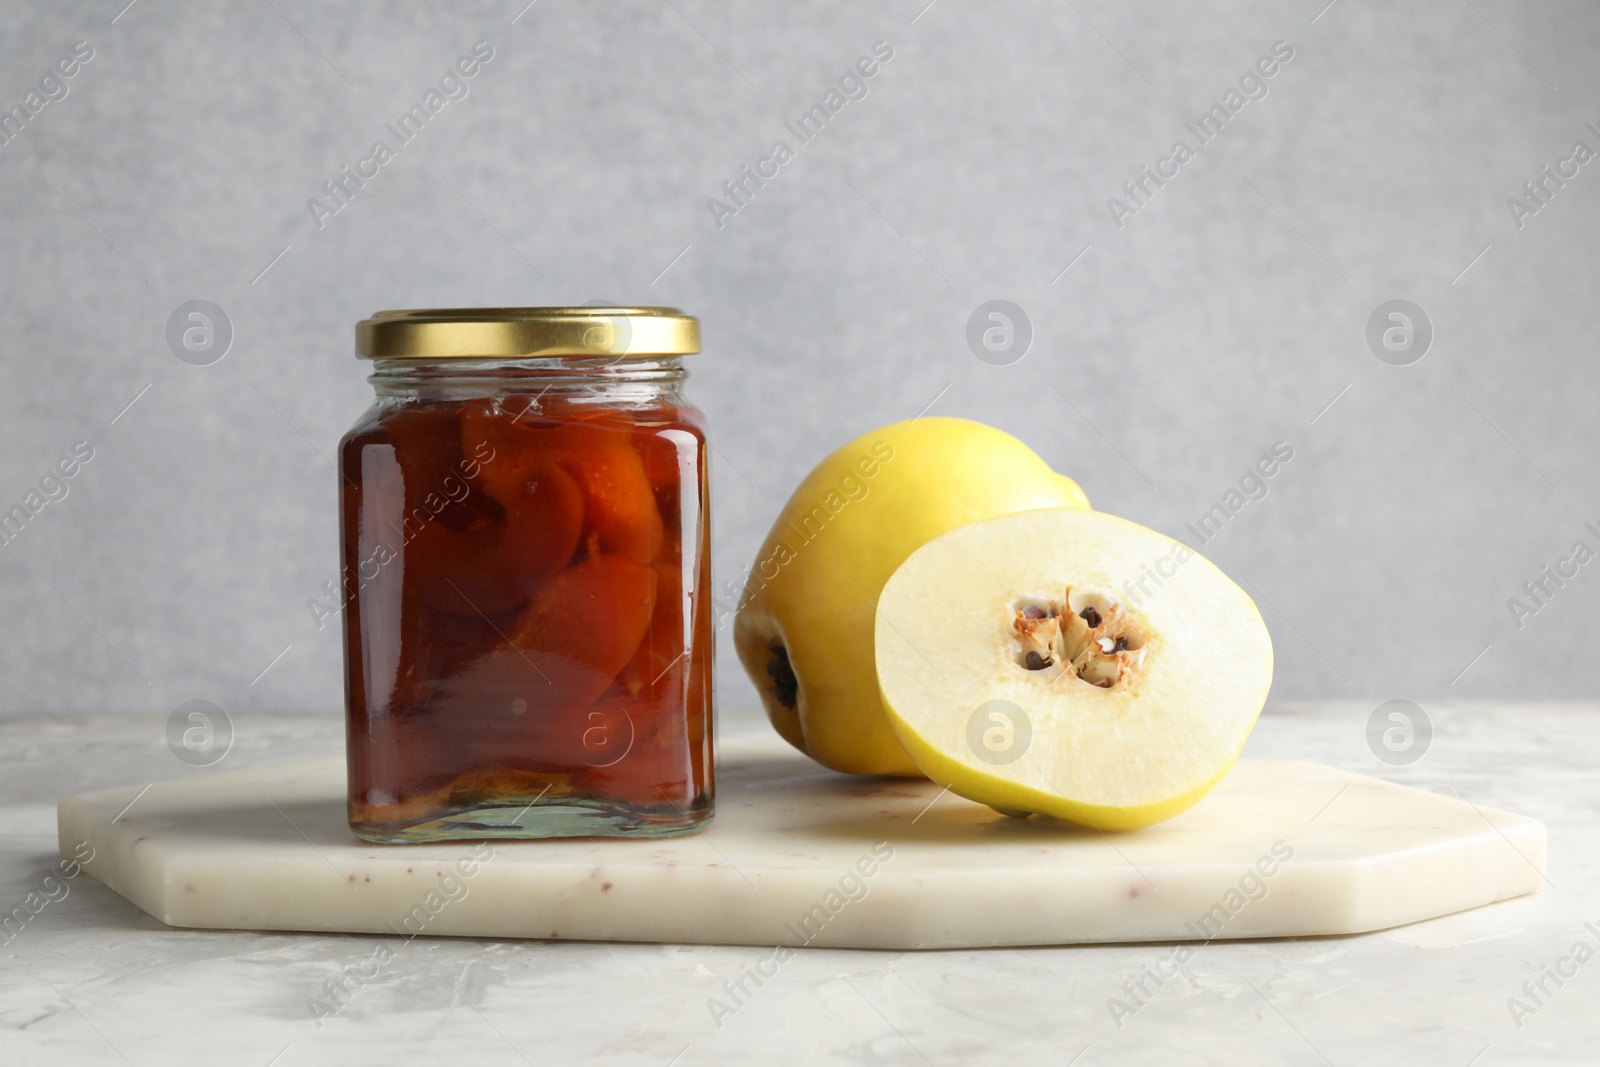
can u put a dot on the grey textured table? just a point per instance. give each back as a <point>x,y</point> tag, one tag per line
<point>89,978</point>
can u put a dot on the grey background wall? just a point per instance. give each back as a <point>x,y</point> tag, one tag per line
<point>1227,313</point>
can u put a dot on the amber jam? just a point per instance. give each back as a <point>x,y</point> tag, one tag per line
<point>527,622</point>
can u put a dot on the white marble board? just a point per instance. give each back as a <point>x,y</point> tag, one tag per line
<point>798,855</point>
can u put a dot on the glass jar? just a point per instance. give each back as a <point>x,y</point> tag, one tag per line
<point>526,578</point>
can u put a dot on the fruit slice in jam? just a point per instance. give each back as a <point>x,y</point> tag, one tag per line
<point>468,552</point>
<point>598,454</point>
<point>525,701</point>
<point>585,625</point>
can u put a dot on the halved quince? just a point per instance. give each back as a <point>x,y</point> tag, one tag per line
<point>1070,663</point>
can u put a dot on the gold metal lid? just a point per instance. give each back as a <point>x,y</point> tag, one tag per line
<point>527,333</point>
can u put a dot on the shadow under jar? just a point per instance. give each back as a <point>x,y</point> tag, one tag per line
<point>526,578</point>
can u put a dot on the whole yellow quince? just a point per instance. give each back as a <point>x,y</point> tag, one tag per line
<point>804,630</point>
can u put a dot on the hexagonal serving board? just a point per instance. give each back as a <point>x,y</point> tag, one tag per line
<point>798,855</point>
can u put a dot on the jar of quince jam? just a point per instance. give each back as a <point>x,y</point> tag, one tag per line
<point>526,575</point>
